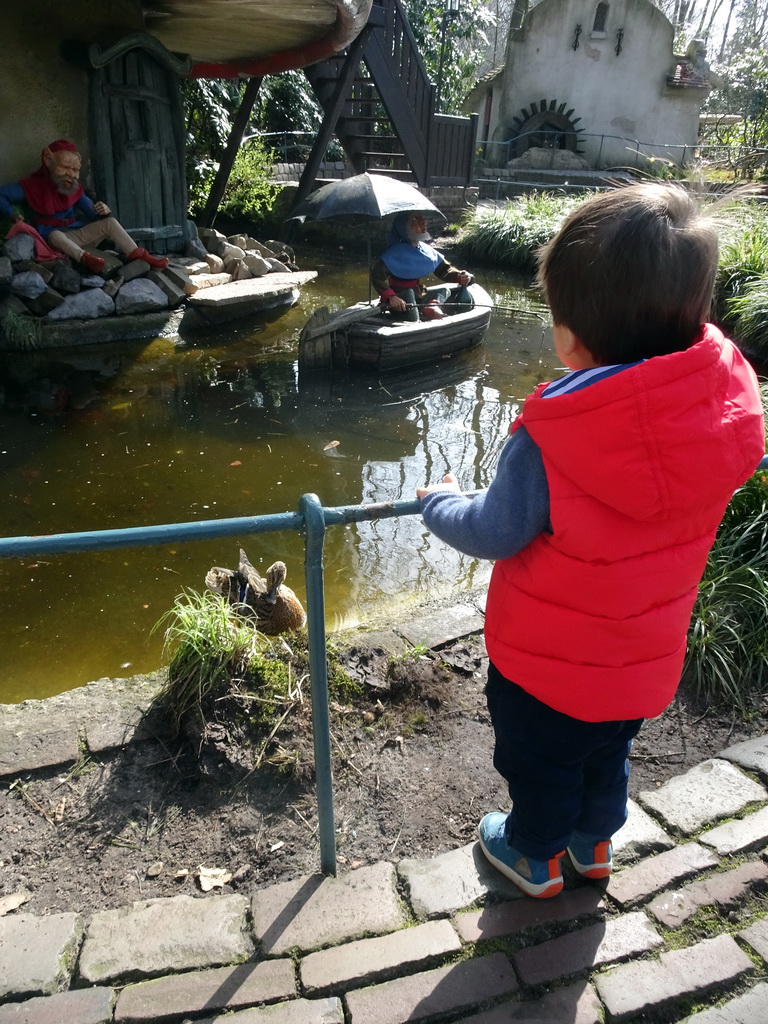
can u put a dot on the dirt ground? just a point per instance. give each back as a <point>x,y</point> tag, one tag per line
<point>412,776</point>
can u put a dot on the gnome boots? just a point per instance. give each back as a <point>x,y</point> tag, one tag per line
<point>93,264</point>
<point>153,261</point>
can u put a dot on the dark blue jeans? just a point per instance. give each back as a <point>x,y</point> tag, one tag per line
<point>564,775</point>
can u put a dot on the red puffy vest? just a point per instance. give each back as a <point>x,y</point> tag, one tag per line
<point>592,619</point>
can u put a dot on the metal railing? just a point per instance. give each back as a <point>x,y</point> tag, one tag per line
<point>311,520</point>
<point>638,153</point>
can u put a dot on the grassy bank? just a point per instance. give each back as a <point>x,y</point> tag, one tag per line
<point>511,234</point>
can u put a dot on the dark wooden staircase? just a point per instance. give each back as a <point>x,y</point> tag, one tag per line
<point>378,101</point>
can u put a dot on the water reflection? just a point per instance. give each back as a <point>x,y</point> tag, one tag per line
<point>221,425</point>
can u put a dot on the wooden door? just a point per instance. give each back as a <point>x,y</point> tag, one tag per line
<point>137,148</point>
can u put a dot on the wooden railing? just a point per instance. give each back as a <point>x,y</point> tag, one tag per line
<point>439,148</point>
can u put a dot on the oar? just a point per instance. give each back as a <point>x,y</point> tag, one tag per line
<point>501,309</point>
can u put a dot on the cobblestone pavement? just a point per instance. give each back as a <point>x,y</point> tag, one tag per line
<point>679,933</point>
<point>679,926</point>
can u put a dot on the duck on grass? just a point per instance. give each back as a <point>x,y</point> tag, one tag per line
<point>238,696</point>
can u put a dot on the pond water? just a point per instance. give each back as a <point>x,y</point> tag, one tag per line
<point>151,432</point>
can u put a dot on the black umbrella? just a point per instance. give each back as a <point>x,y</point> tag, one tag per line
<point>363,197</point>
<point>367,196</point>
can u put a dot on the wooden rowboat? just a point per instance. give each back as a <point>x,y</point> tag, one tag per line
<point>363,336</point>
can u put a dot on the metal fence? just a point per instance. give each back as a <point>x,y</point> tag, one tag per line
<point>311,520</point>
<point>639,154</point>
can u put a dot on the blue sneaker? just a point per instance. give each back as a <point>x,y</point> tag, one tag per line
<point>542,878</point>
<point>590,856</point>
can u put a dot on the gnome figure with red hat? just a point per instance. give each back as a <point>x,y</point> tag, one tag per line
<point>62,213</point>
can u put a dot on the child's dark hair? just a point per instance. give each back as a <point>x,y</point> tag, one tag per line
<point>631,272</point>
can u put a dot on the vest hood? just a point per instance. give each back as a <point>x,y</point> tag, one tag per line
<point>662,450</point>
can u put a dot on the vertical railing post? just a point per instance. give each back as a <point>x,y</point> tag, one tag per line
<point>314,527</point>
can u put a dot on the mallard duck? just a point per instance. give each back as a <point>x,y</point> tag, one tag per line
<point>273,606</point>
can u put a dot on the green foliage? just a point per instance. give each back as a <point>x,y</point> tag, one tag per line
<point>287,111</point>
<point>205,649</point>
<point>250,193</point>
<point>727,657</point>
<point>20,331</point>
<point>742,285</point>
<point>748,313</point>
<point>459,39</point>
<point>209,106</point>
<point>511,235</point>
<point>743,246</point>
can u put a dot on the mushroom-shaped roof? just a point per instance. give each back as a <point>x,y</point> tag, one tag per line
<point>252,37</point>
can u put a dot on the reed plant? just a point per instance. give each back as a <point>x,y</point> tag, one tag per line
<point>511,235</point>
<point>21,331</point>
<point>743,239</point>
<point>727,655</point>
<point>207,649</point>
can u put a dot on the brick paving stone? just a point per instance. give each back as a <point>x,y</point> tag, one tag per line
<point>501,919</point>
<point>638,837</point>
<point>454,880</point>
<point>299,1011</point>
<point>749,1008</point>
<point>655,874</point>
<point>37,953</point>
<point>194,992</point>
<point>313,911</point>
<point>651,984</point>
<point>370,960</point>
<point>458,987</point>
<point>588,947</point>
<point>751,754</point>
<point>574,1004</point>
<point>723,890</point>
<point>757,936</point>
<point>80,1006</point>
<point>712,790</point>
<point>747,833</point>
<point>155,937</point>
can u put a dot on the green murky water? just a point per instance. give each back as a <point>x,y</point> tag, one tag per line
<point>102,437</point>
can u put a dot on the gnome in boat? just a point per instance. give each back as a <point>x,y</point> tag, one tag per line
<point>396,275</point>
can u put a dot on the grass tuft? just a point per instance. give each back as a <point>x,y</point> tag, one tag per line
<point>206,648</point>
<point>727,657</point>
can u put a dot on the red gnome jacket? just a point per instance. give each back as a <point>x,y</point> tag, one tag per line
<point>592,619</point>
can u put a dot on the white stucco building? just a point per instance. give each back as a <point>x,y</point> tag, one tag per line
<point>600,79</point>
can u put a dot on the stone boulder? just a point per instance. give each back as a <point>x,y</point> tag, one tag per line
<point>46,302</point>
<point>89,304</point>
<point>540,159</point>
<point>28,284</point>
<point>20,247</point>
<point>257,264</point>
<point>6,275</point>
<point>65,278</point>
<point>140,296</point>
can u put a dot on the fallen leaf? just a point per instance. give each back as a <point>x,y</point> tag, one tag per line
<point>12,902</point>
<point>331,444</point>
<point>210,878</point>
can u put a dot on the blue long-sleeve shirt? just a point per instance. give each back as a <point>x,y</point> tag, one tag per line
<point>502,520</point>
<point>81,212</point>
<point>499,522</point>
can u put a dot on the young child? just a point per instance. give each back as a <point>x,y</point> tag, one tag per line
<point>605,503</point>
